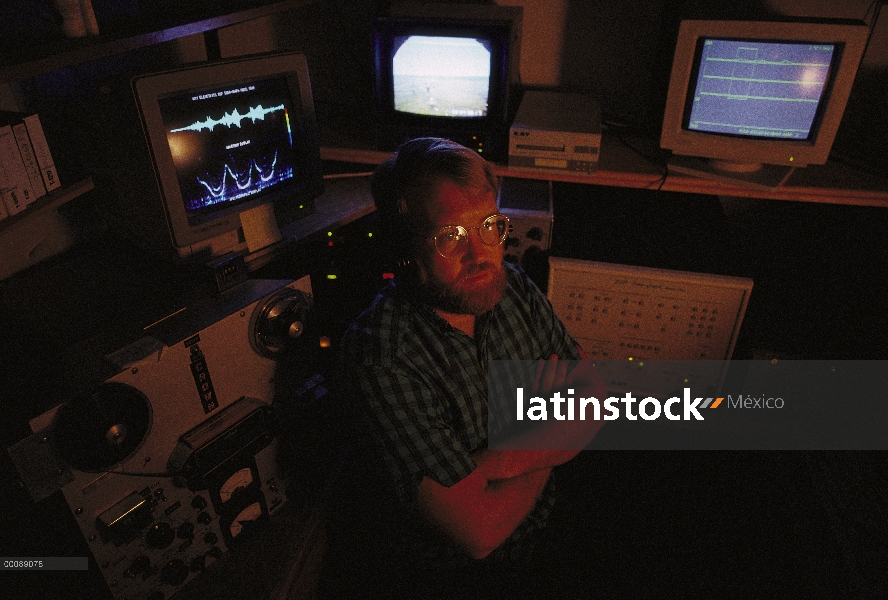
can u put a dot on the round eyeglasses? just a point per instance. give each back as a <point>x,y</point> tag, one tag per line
<point>492,230</point>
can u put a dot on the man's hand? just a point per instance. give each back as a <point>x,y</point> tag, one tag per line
<point>554,374</point>
<point>579,379</point>
<point>479,514</point>
<point>483,509</point>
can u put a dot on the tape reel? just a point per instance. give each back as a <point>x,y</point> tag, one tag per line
<point>170,462</point>
<point>102,429</point>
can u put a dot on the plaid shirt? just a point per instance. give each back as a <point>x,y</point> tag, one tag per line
<point>419,385</point>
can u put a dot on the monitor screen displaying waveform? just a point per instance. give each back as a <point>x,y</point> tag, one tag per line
<point>441,76</point>
<point>760,89</point>
<point>229,143</point>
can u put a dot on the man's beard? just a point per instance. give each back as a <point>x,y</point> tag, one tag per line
<point>460,299</point>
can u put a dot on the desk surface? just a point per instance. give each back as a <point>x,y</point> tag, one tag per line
<point>630,163</point>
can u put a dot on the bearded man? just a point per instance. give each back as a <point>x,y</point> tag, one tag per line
<point>452,511</point>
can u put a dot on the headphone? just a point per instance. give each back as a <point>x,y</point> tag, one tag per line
<point>393,219</point>
<point>416,162</point>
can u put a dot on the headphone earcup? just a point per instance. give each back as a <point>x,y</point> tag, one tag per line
<point>398,255</point>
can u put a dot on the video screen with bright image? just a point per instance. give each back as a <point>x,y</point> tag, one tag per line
<point>760,89</point>
<point>442,76</point>
<point>230,143</point>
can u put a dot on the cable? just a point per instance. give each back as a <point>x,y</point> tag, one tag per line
<point>876,7</point>
<point>836,154</point>
<point>345,175</point>
<point>657,160</point>
<point>133,474</point>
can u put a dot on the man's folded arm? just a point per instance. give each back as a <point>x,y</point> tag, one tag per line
<point>481,511</point>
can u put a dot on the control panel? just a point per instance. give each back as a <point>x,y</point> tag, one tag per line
<point>636,314</point>
<point>171,462</point>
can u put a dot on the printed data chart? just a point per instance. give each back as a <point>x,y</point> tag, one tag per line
<point>617,311</point>
<point>684,324</point>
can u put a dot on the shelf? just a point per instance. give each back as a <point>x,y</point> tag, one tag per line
<point>46,203</point>
<point>625,163</point>
<point>144,31</point>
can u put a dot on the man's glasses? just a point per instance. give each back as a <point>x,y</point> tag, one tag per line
<point>451,239</point>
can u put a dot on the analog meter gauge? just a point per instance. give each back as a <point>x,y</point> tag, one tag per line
<point>245,519</point>
<point>242,503</point>
<point>240,480</point>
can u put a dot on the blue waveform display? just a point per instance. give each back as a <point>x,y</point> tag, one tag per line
<point>231,119</point>
<point>233,184</point>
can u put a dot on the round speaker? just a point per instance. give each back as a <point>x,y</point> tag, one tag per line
<point>281,325</point>
<point>99,430</point>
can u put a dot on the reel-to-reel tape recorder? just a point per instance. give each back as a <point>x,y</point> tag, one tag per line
<point>167,464</point>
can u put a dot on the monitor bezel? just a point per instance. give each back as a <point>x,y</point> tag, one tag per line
<point>501,25</point>
<point>497,81</point>
<point>149,89</point>
<point>850,39</point>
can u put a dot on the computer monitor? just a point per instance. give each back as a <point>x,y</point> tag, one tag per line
<point>750,101</point>
<point>234,149</point>
<point>447,71</point>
